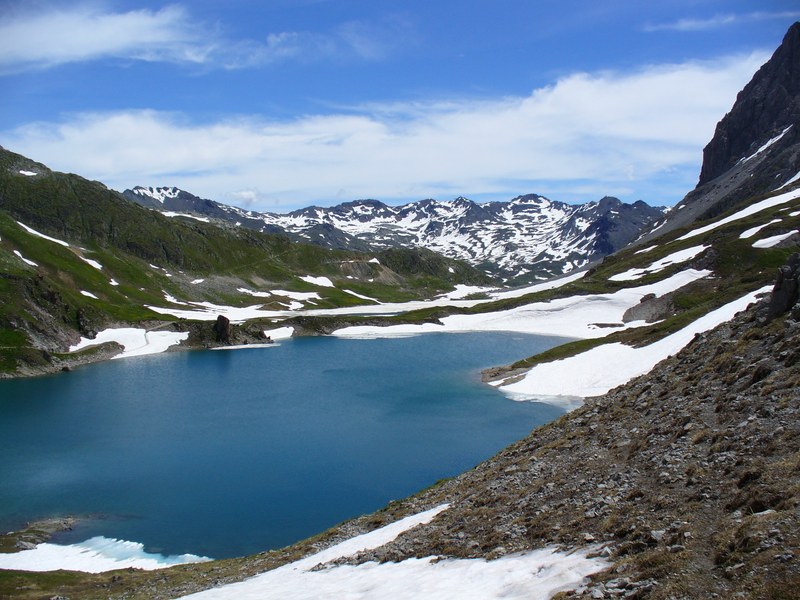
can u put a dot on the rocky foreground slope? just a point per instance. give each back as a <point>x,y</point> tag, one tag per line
<point>689,477</point>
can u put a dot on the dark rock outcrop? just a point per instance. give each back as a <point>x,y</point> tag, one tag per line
<point>222,330</point>
<point>786,293</point>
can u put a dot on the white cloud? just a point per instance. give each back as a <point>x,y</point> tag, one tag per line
<point>53,37</point>
<point>611,131</point>
<point>56,36</point>
<point>721,20</point>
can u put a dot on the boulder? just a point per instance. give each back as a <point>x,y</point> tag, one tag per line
<point>222,330</point>
<point>786,292</point>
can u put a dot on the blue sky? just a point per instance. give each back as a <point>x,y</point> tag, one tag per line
<point>279,104</point>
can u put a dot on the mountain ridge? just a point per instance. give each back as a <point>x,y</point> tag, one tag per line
<point>525,239</point>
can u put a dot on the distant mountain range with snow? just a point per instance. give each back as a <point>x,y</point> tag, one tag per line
<point>526,239</point>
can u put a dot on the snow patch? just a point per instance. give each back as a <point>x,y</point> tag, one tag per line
<point>95,555</point>
<point>89,294</point>
<point>362,296</point>
<point>25,260</point>
<point>539,287</point>
<point>254,293</point>
<point>748,233</point>
<point>279,333</point>
<point>320,281</point>
<point>462,291</point>
<point>91,262</point>
<point>187,215</point>
<point>661,264</point>
<point>789,181</point>
<point>158,194</point>
<point>765,146</point>
<point>299,296</point>
<point>28,173</point>
<point>643,250</point>
<point>773,241</point>
<point>135,341</point>
<point>43,236</point>
<point>173,300</point>
<point>196,281</point>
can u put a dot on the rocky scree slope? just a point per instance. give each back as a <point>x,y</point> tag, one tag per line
<point>756,146</point>
<point>525,239</point>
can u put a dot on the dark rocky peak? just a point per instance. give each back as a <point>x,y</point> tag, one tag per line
<point>369,204</point>
<point>360,210</point>
<point>756,146</point>
<point>767,107</point>
<point>529,199</point>
<point>609,203</point>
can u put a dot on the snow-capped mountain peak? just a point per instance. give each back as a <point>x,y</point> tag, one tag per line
<point>159,194</point>
<point>527,238</point>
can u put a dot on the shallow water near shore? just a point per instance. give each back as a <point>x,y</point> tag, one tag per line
<point>229,453</point>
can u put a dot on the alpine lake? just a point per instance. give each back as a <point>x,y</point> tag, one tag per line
<point>228,453</point>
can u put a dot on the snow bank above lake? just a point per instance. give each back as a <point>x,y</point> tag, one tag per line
<point>534,575</point>
<point>601,369</point>
<point>95,555</point>
<point>136,342</point>
<point>576,316</point>
<point>280,333</point>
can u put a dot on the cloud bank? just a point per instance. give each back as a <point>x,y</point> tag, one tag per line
<point>616,133</point>
<point>721,20</point>
<point>83,33</point>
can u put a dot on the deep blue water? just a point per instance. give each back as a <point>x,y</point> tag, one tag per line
<point>232,452</point>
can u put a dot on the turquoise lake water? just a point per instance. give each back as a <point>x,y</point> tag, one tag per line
<point>226,453</point>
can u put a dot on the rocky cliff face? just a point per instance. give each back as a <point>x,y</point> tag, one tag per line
<point>765,108</point>
<point>756,146</point>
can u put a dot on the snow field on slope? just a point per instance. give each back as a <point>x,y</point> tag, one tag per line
<point>773,240</point>
<point>661,264</point>
<point>746,212</point>
<point>575,316</point>
<point>534,575</point>
<point>43,236</point>
<point>596,371</point>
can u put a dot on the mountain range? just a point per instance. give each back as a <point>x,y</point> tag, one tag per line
<point>526,239</point>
